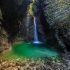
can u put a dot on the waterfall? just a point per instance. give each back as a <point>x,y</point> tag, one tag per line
<point>35,30</point>
<point>36,40</point>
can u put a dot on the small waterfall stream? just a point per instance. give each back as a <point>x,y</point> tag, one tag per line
<point>35,30</point>
<point>36,40</point>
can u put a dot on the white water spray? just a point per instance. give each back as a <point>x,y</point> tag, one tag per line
<point>36,40</point>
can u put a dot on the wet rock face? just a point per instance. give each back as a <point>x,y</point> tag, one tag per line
<point>57,14</point>
<point>4,45</point>
<point>26,30</point>
<point>12,12</point>
<point>56,10</point>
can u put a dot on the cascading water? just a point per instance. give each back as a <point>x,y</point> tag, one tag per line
<point>36,40</point>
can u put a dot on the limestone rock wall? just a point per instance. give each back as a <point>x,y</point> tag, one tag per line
<point>57,13</point>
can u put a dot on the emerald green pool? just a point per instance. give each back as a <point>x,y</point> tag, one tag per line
<point>33,51</point>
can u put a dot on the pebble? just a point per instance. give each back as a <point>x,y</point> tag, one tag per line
<point>20,63</point>
<point>11,68</point>
<point>32,65</point>
<point>12,64</point>
<point>0,66</point>
<point>5,64</point>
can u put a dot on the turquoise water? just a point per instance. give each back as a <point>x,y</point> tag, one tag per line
<point>33,51</point>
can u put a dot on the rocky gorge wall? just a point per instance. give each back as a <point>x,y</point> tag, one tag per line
<point>57,13</point>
